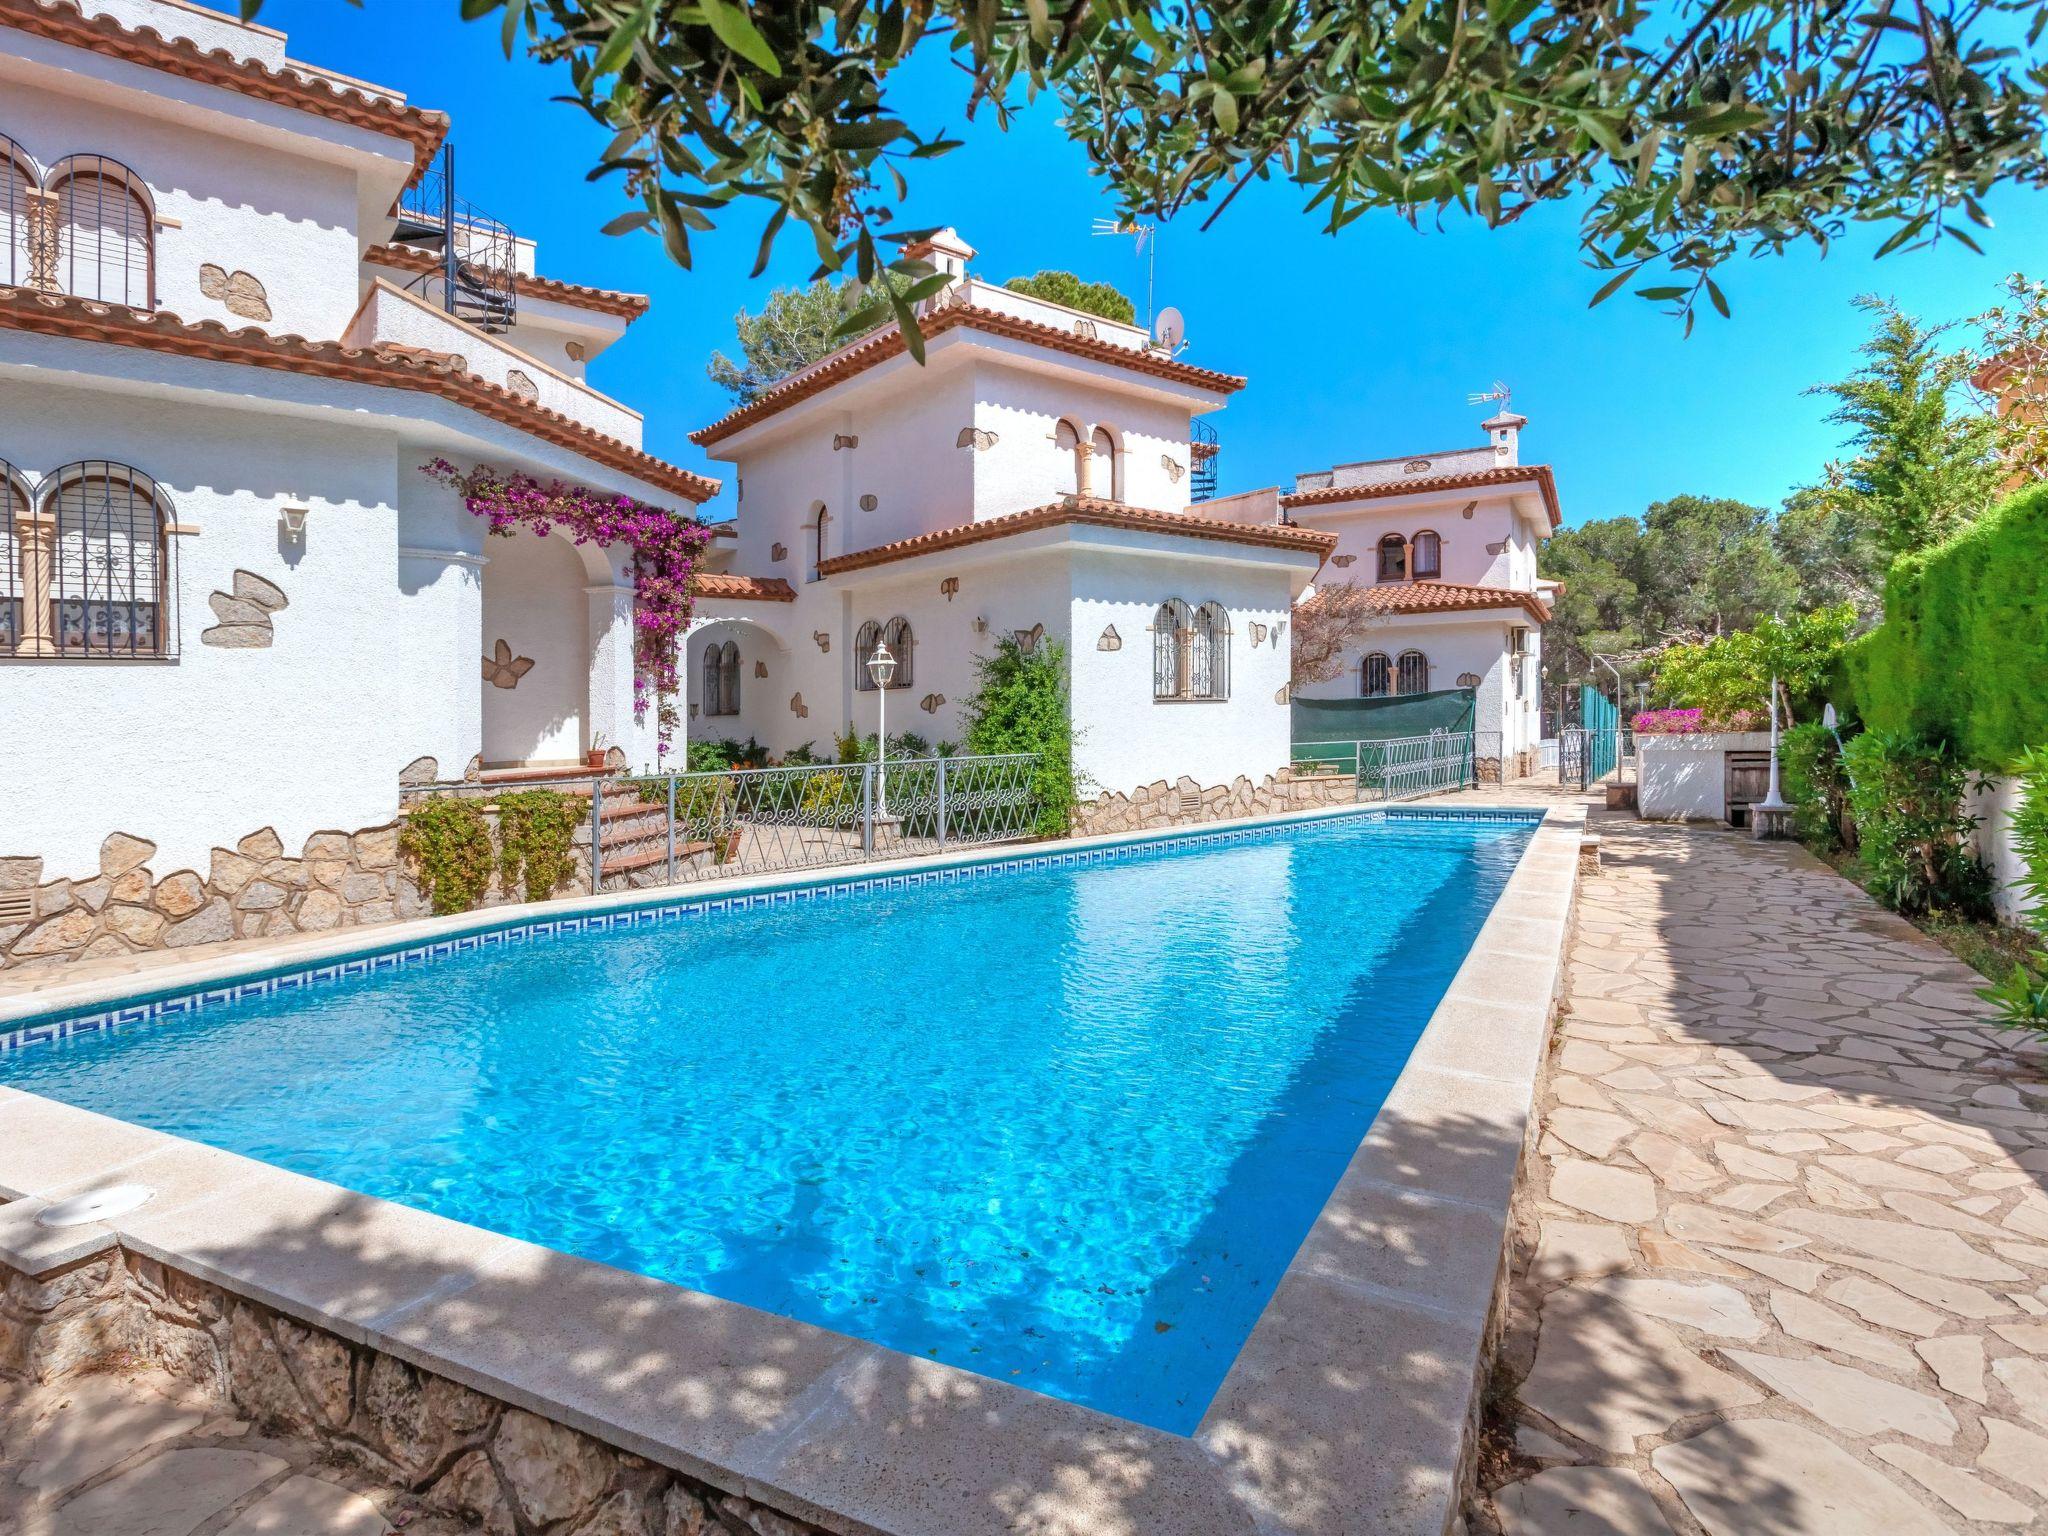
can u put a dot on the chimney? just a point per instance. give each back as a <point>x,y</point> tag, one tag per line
<point>1504,429</point>
<point>945,250</point>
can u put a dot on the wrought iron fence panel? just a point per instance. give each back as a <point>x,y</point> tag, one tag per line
<point>670,829</point>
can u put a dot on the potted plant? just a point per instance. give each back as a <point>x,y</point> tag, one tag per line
<point>599,753</point>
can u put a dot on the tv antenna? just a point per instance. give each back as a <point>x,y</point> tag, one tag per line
<point>1143,236</point>
<point>1499,392</point>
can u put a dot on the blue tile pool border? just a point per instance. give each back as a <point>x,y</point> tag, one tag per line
<point>172,1003</point>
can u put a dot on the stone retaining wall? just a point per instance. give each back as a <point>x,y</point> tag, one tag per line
<point>338,880</point>
<point>1185,802</point>
<point>460,1453</point>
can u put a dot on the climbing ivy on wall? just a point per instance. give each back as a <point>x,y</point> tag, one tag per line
<point>448,844</point>
<point>536,828</point>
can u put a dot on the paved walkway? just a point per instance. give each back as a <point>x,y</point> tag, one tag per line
<point>1786,1233</point>
<point>141,1454</point>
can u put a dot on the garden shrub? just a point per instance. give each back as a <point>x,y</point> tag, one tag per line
<point>1963,649</point>
<point>2022,998</point>
<point>1907,796</point>
<point>448,844</point>
<point>535,830</point>
<point>1020,705</point>
<point>1811,760</point>
<point>1729,677</point>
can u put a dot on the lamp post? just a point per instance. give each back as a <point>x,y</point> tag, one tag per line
<point>881,667</point>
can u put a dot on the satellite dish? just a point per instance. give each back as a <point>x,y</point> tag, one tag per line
<point>1170,330</point>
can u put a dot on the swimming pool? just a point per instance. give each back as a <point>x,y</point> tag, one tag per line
<point>1063,1123</point>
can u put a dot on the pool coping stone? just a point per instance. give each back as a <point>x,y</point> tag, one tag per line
<point>1350,1409</point>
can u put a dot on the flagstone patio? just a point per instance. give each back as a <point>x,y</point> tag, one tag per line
<point>1784,1246</point>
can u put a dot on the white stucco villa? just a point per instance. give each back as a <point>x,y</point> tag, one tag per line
<point>1444,547</point>
<point>1031,479</point>
<point>227,347</point>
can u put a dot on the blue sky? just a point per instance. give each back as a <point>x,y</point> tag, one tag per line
<point>1362,345</point>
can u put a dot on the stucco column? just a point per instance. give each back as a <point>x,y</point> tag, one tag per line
<point>1084,469</point>
<point>611,671</point>
<point>36,537</point>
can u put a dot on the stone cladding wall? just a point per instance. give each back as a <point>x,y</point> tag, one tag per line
<point>1186,803</point>
<point>460,1453</point>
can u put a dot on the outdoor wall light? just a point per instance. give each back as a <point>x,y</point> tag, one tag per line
<point>294,521</point>
<point>881,667</point>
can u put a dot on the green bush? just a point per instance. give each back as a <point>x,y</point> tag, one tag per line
<point>2022,998</point>
<point>1963,649</point>
<point>448,844</point>
<point>1020,705</point>
<point>535,830</point>
<point>1907,796</point>
<point>1814,783</point>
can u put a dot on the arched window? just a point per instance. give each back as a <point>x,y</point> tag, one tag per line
<point>1426,556</point>
<point>729,676</point>
<point>1210,664</point>
<point>1393,558</point>
<point>1411,673</point>
<point>865,640</point>
<point>108,589</point>
<point>1172,626</point>
<point>1375,676</point>
<point>1068,477</point>
<point>106,232</point>
<point>1190,651</point>
<point>713,702</point>
<point>1105,466</point>
<point>20,218</point>
<point>896,635</point>
<point>819,518</point>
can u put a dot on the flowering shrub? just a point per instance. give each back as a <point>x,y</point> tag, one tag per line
<point>665,551</point>
<point>1671,722</point>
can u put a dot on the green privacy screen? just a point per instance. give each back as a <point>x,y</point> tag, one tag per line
<point>1318,722</point>
<point>1602,720</point>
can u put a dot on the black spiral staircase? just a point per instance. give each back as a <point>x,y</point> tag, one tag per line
<point>478,277</point>
<point>1203,450</point>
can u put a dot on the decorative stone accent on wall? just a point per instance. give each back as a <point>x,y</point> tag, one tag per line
<point>575,351</point>
<point>1085,328</point>
<point>1173,468</point>
<point>798,708</point>
<point>520,382</point>
<point>421,770</point>
<point>1109,640</point>
<point>458,1452</point>
<point>239,291</point>
<point>950,588</point>
<point>778,552</point>
<point>869,502</point>
<point>244,613</point>
<point>977,438</point>
<point>1468,509</point>
<point>1281,694</point>
<point>1343,562</point>
<point>339,880</point>
<point>1027,639</point>
<point>1179,804</point>
<point>760,669</point>
<point>502,669</point>
<point>1468,679</point>
<point>932,703</point>
<point>844,440</point>
<point>1255,632</point>
<point>824,640</point>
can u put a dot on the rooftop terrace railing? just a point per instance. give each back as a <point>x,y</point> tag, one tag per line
<point>676,828</point>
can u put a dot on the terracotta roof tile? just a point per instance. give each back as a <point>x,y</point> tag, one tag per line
<point>886,343</point>
<point>1090,512</point>
<point>433,373</point>
<point>609,301</point>
<point>1506,474</point>
<point>758,589</point>
<point>64,21</point>
<point>1448,597</point>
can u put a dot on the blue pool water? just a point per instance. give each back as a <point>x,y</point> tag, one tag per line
<point>1065,1127</point>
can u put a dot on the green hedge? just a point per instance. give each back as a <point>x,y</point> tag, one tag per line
<point>1962,655</point>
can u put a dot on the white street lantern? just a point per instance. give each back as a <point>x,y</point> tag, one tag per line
<point>881,667</point>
